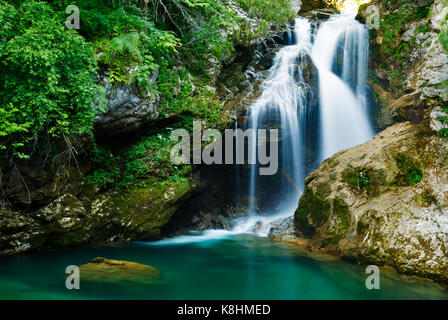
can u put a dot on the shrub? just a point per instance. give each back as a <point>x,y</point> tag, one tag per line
<point>47,78</point>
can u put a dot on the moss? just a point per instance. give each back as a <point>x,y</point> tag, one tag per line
<point>395,17</point>
<point>425,199</point>
<point>361,227</point>
<point>342,213</point>
<point>312,212</point>
<point>143,210</point>
<point>410,171</point>
<point>364,180</point>
<point>357,178</point>
<point>332,239</point>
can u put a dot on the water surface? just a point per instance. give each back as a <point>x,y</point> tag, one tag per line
<point>211,265</point>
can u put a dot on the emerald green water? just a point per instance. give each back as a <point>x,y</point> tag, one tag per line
<point>229,266</point>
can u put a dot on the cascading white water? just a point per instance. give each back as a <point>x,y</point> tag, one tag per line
<point>343,107</point>
<point>284,98</point>
<point>340,56</point>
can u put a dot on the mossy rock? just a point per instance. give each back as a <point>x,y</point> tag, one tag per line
<point>411,170</point>
<point>143,211</point>
<point>342,213</point>
<point>115,271</point>
<point>313,211</point>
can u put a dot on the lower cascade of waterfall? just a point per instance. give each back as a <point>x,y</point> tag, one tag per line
<point>315,94</point>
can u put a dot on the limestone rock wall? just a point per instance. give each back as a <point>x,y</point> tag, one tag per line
<point>407,58</point>
<point>384,202</point>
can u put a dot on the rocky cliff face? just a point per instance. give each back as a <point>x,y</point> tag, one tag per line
<point>409,66</point>
<point>384,202</point>
<point>128,110</point>
<point>73,220</point>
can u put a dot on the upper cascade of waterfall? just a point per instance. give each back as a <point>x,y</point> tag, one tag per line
<point>340,53</point>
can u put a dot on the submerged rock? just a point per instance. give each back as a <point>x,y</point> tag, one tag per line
<point>384,202</point>
<point>116,271</point>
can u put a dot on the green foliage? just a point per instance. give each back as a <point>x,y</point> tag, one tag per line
<point>413,176</point>
<point>124,38</point>
<point>423,28</point>
<point>181,96</point>
<point>149,157</point>
<point>137,49</point>
<point>10,127</point>
<point>47,78</point>
<point>364,180</point>
<point>357,178</point>
<point>49,73</point>
<point>443,38</point>
<point>272,11</point>
<point>444,133</point>
<point>410,171</point>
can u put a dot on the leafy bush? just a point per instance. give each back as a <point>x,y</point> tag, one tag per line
<point>47,80</point>
<point>271,11</point>
<point>410,173</point>
<point>149,157</point>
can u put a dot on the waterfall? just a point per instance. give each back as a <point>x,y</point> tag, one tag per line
<point>343,107</point>
<point>283,101</point>
<point>285,104</point>
<point>329,67</point>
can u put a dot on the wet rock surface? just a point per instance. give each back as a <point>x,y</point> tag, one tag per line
<point>139,214</point>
